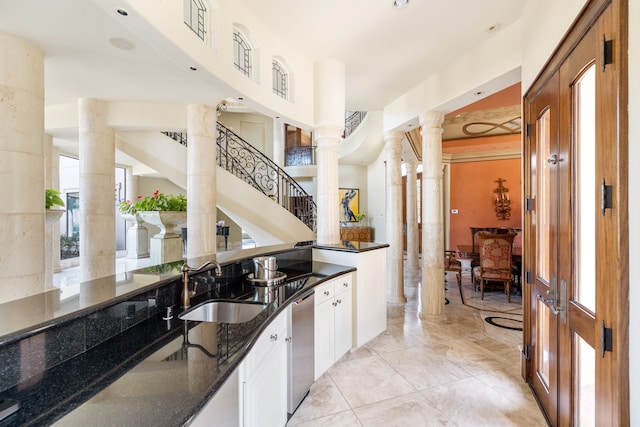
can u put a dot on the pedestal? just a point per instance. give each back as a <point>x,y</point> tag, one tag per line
<point>137,239</point>
<point>165,250</point>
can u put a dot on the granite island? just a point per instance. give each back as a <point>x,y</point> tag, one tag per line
<point>107,356</point>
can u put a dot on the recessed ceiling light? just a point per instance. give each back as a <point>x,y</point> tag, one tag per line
<point>400,4</point>
<point>492,28</point>
<point>478,93</point>
<point>240,98</point>
<point>121,43</point>
<point>122,12</point>
<point>192,68</point>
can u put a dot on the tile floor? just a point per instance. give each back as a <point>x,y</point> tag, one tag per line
<point>460,371</point>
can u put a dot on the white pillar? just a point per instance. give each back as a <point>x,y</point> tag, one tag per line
<point>395,271</point>
<point>201,180</point>
<point>432,291</point>
<point>279,140</point>
<point>329,101</point>
<point>55,231</point>
<point>97,188</point>
<point>47,143</point>
<point>22,169</point>
<point>413,248</point>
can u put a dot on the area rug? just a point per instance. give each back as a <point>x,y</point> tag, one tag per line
<point>504,322</point>
<point>495,300</point>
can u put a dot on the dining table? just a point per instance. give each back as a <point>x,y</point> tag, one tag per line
<point>467,253</point>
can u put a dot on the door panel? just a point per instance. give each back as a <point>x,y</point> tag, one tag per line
<point>575,255</point>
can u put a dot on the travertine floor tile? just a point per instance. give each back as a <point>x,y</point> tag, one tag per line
<point>324,399</point>
<point>408,410</point>
<point>341,419</point>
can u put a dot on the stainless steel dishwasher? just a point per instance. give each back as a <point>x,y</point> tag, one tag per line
<point>301,349</point>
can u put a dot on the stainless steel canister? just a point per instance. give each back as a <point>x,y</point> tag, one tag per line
<point>265,267</point>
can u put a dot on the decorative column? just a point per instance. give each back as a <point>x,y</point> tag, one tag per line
<point>279,142</point>
<point>432,292</point>
<point>395,271</point>
<point>97,206</point>
<point>201,180</point>
<point>55,231</point>
<point>329,89</point>
<point>47,145</point>
<point>413,249</point>
<point>22,165</point>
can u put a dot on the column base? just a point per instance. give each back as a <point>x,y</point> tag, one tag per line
<point>397,299</point>
<point>426,316</point>
<point>165,250</point>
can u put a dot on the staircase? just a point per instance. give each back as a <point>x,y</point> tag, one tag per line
<point>252,190</point>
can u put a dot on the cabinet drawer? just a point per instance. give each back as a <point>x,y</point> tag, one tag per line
<point>275,332</point>
<point>324,292</point>
<point>343,283</point>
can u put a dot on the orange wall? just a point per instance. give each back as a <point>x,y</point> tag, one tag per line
<point>472,186</point>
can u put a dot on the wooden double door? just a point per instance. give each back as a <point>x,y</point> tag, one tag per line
<point>576,249</point>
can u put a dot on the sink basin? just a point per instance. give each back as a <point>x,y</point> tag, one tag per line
<point>223,311</point>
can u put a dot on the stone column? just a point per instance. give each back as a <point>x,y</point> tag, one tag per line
<point>97,206</point>
<point>395,271</point>
<point>22,167</point>
<point>279,142</point>
<point>47,143</point>
<point>137,233</point>
<point>329,89</point>
<point>55,230</point>
<point>413,249</point>
<point>201,180</point>
<point>432,292</point>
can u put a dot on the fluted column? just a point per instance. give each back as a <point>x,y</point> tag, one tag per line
<point>395,271</point>
<point>413,248</point>
<point>97,206</point>
<point>22,168</point>
<point>432,292</point>
<point>329,101</point>
<point>201,180</point>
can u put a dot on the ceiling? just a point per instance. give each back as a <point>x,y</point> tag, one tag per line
<point>386,51</point>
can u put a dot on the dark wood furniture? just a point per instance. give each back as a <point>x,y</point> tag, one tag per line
<point>223,230</point>
<point>356,234</point>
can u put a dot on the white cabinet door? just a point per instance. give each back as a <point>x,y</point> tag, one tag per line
<point>343,313</point>
<point>264,378</point>
<point>323,326</point>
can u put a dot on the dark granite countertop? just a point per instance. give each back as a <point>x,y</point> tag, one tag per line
<point>158,373</point>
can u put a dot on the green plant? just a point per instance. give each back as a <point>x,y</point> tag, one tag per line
<point>156,202</point>
<point>52,198</point>
<point>360,217</point>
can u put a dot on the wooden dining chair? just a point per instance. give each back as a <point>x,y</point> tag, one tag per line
<point>495,261</point>
<point>451,264</point>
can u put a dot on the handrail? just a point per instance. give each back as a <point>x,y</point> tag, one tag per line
<point>240,158</point>
<point>352,120</point>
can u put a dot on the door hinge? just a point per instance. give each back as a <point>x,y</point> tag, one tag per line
<point>606,196</point>
<point>527,277</point>
<point>526,352</point>
<point>606,339</point>
<point>607,52</point>
<point>527,130</point>
<point>529,204</point>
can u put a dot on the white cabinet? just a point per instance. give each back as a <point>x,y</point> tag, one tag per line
<point>263,377</point>
<point>222,409</point>
<point>332,322</point>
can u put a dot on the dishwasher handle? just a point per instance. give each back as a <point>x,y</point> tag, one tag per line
<point>304,297</point>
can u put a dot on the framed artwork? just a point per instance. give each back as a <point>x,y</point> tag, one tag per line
<point>349,203</point>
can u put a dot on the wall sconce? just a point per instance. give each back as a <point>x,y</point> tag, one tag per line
<point>503,210</point>
<point>222,106</point>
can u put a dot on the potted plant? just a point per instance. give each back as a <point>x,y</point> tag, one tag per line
<point>52,199</point>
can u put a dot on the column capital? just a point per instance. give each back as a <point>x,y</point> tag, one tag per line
<point>328,131</point>
<point>431,119</point>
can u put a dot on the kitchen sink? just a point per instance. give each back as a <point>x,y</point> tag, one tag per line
<point>221,311</point>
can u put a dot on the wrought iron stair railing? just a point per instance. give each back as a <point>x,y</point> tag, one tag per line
<point>240,158</point>
<point>352,120</point>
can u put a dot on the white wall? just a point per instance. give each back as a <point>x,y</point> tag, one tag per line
<point>256,129</point>
<point>377,197</point>
<point>634,209</point>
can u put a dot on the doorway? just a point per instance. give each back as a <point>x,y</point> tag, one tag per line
<point>576,252</point>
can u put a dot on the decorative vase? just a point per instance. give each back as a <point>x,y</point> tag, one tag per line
<point>166,246</point>
<point>167,221</point>
<point>52,215</point>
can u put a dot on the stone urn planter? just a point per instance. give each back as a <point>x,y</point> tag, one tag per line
<point>166,246</point>
<point>137,237</point>
<point>52,215</point>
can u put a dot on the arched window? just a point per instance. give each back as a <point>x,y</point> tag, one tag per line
<point>280,79</point>
<point>195,13</point>
<point>242,53</point>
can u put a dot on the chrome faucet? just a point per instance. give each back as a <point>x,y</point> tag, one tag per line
<point>186,292</point>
